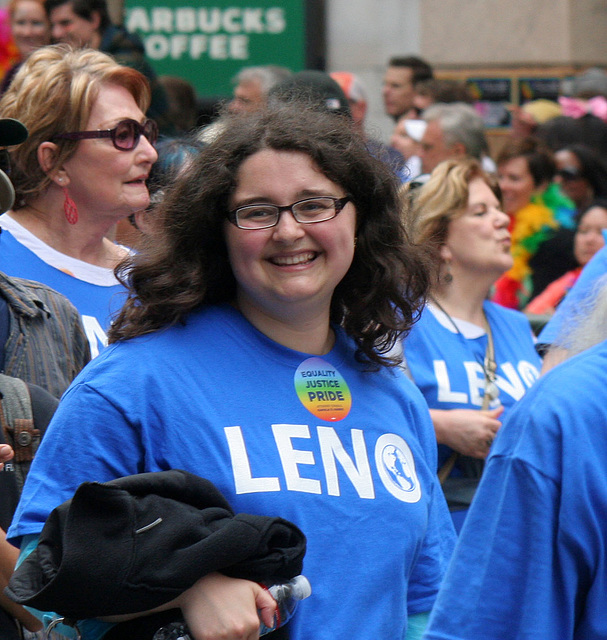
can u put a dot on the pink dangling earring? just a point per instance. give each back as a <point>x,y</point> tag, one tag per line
<point>69,207</point>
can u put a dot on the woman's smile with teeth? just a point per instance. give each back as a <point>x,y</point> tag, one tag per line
<point>300,258</point>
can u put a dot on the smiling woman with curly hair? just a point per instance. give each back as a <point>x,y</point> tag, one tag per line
<point>254,350</point>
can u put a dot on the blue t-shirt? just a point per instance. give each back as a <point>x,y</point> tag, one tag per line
<point>577,299</point>
<point>95,303</point>
<point>347,455</point>
<point>447,367</point>
<point>531,561</point>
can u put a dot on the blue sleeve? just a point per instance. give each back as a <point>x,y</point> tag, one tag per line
<point>434,555</point>
<point>580,292</point>
<point>437,547</point>
<point>88,439</point>
<point>500,584</point>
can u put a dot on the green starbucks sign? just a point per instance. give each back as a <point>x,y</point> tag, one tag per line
<point>207,44</point>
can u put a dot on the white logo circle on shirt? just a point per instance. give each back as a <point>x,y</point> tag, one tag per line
<point>396,468</point>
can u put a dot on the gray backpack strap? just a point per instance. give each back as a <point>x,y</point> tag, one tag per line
<point>17,423</point>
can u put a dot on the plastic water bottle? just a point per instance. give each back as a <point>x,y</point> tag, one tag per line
<point>287,595</point>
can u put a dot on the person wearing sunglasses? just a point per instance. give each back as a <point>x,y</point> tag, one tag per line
<point>82,169</point>
<point>581,174</point>
<point>255,342</point>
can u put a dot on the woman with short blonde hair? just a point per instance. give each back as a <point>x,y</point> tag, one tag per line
<point>471,358</point>
<point>82,169</point>
<point>56,93</point>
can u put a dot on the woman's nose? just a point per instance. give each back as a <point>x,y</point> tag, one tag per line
<point>501,219</point>
<point>148,149</point>
<point>287,227</point>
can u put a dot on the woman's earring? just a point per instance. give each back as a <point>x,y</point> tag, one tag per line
<point>69,207</point>
<point>355,241</point>
<point>448,277</point>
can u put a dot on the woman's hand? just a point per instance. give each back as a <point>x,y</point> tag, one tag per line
<point>219,608</point>
<point>222,608</point>
<point>6,454</point>
<point>8,560</point>
<point>467,431</point>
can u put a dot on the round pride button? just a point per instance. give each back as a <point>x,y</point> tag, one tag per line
<point>322,390</point>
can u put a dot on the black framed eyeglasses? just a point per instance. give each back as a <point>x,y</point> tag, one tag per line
<point>308,211</point>
<point>125,135</point>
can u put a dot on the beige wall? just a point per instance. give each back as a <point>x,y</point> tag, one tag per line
<point>589,29</point>
<point>514,38</point>
<point>361,37</point>
<point>513,32</point>
<point>477,37</point>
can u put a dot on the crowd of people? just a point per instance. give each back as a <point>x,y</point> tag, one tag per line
<point>375,362</point>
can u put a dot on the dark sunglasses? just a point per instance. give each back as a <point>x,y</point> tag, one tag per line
<point>569,173</point>
<point>125,135</point>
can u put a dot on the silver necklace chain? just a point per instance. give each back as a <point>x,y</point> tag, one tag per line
<point>489,365</point>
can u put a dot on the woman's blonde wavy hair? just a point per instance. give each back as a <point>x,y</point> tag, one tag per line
<point>442,199</point>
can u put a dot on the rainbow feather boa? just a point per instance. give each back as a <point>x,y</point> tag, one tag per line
<point>530,227</point>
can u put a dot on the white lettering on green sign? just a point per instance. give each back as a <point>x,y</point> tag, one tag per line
<point>219,33</point>
<point>225,36</point>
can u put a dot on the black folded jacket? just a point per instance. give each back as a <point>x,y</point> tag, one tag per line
<point>135,543</point>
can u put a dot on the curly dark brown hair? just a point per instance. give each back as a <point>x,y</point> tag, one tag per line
<point>185,263</point>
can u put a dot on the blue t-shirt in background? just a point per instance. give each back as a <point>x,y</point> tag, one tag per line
<point>95,303</point>
<point>530,561</point>
<point>448,370</point>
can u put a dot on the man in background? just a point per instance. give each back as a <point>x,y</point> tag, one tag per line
<point>86,23</point>
<point>398,91</point>
<point>453,131</point>
<point>252,84</point>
